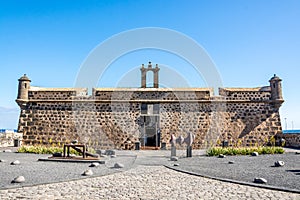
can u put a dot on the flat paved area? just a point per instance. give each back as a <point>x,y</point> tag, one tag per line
<point>144,177</point>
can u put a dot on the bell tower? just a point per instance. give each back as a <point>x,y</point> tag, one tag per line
<point>144,75</point>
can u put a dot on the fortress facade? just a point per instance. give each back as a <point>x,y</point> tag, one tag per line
<point>120,117</point>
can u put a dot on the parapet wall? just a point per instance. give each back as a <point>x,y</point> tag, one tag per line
<point>250,94</point>
<point>229,94</point>
<point>151,94</point>
<point>36,93</point>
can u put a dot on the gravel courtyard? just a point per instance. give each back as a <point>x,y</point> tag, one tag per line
<point>145,176</point>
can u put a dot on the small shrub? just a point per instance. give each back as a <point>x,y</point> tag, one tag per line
<point>215,151</point>
<point>239,143</point>
<point>39,149</point>
<point>283,143</point>
<point>272,141</point>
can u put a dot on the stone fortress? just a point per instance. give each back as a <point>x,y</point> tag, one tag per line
<point>120,117</point>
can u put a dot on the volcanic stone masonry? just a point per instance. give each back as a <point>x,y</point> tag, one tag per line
<point>120,117</point>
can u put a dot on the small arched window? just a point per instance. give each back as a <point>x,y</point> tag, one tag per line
<point>25,85</point>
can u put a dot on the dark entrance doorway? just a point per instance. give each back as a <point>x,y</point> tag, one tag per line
<point>150,129</point>
<point>150,135</point>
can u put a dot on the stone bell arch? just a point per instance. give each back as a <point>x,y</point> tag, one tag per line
<point>144,75</point>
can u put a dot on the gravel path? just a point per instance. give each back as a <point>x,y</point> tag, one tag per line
<point>145,182</point>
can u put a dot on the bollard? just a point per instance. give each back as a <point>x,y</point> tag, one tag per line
<point>189,151</point>
<point>137,145</point>
<point>173,150</point>
<point>16,142</point>
<point>163,146</point>
<point>225,143</point>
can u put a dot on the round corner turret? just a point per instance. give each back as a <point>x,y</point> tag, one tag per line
<point>24,86</point>
<point>276,89</point>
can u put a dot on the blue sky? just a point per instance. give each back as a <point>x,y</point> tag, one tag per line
<point>248,41</point>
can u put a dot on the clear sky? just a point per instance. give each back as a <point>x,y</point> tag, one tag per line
<point>248,40</point>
